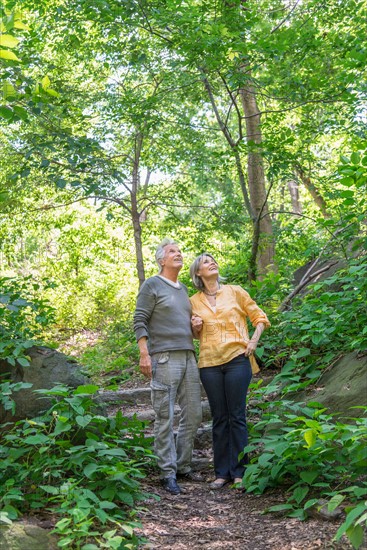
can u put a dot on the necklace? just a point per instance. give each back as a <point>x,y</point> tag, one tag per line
<point>211,293</point>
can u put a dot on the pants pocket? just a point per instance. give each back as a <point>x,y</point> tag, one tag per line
<point>160,398</point>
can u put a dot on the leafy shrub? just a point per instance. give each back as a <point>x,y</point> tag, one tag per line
<point>330,319</point>
<point>23,317</point>
<point>113,359</point>
<point>79,464</point>
<point>305,450</point>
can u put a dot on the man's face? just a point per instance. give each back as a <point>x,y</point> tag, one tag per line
<point>173,258</point>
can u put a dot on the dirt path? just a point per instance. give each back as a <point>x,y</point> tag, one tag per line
<point>202,518</point>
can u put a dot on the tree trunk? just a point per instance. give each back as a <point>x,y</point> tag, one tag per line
<point>135,214</point>
<point>262,254</point>
<point>314,192</point>
<point>294,193</point>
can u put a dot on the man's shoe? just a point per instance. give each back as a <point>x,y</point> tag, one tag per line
<point>190,476</point>
<point>170,485</point>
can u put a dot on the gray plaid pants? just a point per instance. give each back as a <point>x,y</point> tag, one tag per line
<point>175,375</point>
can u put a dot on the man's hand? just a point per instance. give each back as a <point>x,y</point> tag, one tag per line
<point>146,365</point>
<point>145,362</point>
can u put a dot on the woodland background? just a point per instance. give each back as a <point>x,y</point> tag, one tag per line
<point>235,127</point>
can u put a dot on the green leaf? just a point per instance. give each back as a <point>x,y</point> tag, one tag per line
<point>8,41</point>
<point>88,389</point>
<point>126,498</point>
<point>280,507</point>
<point>8,90</point>
<point>6,113</point>
<point>6,54</point>
<point>112,452</point>
<point>4,518</point>
<point>335,501</point>
<point>38,439</point>
<point>303,352</point>
<point>61,427</point>
<point>107,505</point>
<point>52,92</point>
<point>355,158</point>
<point>83,421</point>
<point>50,489</point>
<point>46,83</point>
<point>310,503</point>
<point>299,493</point>
<point>310,437</point>
<point>356,536</point>
<point>23,361</point>
<point>265,458</point>
<point>90,469</point>
<point>309,476</point>
<point>347,181</point>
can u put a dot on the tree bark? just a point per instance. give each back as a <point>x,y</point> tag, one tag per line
<point>294,193</point>
<point>135,214</point>
<point>262,254</point>
<point>314,192</point>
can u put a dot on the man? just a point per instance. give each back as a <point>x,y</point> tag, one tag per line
<point>163,331</point>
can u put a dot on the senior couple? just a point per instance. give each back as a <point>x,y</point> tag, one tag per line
<point>165,322</point>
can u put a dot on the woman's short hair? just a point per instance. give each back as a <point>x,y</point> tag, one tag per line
<point>194,268</point>
<point>160,252</point>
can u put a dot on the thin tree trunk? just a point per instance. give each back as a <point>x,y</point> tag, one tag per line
<point>262,254</point>
<point>135,214</point>
<point>294,193</point>
<point>314,192</point>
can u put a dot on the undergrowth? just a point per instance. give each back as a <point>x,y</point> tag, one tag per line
<point>79,465</point>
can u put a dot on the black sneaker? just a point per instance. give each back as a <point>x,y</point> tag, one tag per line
<point>190,476</point>
<point>170,485</point>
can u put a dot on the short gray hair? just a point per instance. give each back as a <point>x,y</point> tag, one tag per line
<point>194,268</point>
<point>160,252</point>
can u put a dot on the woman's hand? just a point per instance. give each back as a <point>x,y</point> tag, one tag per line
<point>251,348</point>
<point>252,344</point>
<point>196,325</point>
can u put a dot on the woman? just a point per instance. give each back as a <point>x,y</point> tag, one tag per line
<point>219,320</point>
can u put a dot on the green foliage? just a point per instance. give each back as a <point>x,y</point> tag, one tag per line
<point>330,318</point>
<point>79,464</point>
<point>313,456</point>
<point>23,317</point>
<point>113,359</point>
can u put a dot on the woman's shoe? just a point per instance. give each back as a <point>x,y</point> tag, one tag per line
<point>218,483</point>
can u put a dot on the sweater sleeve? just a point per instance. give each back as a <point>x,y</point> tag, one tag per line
<point>145,304</point>
<point>250,308</point>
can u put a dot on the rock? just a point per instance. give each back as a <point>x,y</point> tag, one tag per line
<point>342,387</point>
<point>136,396</point>
<point>320,511</point>
<point>148,415</point>
<point>203,439</point>
<point>47,369</point>
<point>26,536</point>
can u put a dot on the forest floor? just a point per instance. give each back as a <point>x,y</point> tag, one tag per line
<point>203,518</point>
<point>225,518</point>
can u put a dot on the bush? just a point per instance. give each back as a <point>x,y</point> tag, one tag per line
<point>78,464</point>
<point>305,450</point>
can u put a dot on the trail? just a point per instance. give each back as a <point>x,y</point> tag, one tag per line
<point>203,518</point>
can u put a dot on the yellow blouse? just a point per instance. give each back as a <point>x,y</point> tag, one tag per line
<point>224,334</point>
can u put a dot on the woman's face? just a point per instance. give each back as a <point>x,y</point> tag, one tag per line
<point>208,266</point>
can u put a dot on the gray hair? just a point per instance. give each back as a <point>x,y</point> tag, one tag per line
<point>160,252</point>
<point>194,268</point>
